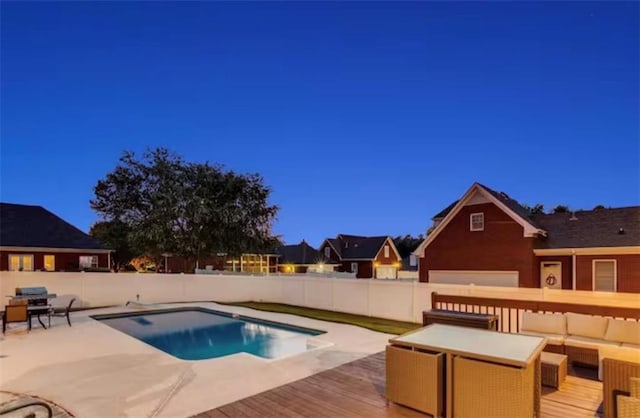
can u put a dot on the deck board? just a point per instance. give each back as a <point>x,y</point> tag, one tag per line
<point>357,389</point>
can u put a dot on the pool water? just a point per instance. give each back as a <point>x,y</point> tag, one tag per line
<point>197,334</point>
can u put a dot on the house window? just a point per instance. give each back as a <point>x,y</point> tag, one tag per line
<point>386,251</point>
<point>604,275</point>
<point>412,260</point>
<point>354,268</point>
<point>49,262</point>
<point>21,262</point>
<point>477,221</point>
<point>88,261</point>
<point>327,252</point>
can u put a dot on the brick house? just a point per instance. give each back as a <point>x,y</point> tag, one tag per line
<point>367,257</point>
<point>301,258</point>
<point>32,239</point>
<point>488,238</point>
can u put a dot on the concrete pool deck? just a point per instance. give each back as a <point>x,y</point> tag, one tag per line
<point>94,370</point>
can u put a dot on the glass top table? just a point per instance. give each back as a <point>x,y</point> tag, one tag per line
<point>511,349</point>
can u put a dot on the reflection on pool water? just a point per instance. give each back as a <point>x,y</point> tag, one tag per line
<point>196,334</point>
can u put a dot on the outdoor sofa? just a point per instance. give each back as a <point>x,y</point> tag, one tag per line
<point>585,339</point>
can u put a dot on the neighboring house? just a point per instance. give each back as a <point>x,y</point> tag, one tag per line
<point>367,257</point>
<point>301,258</point>
<point>488,238</point>
<point>32,238</point>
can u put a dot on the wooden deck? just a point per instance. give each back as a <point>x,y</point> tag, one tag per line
<point>357,390</point>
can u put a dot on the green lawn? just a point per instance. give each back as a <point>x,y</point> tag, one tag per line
<point>376,324</point>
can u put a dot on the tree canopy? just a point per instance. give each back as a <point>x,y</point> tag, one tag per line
<point>115,234</point>
<point>407,244</point>
<point>186,209</point>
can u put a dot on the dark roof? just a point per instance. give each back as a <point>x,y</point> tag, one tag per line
<point>353,247</point>
<point>592,228</point>
<point>34,226</point>
<point>336,245</point>
<point>445,211</point>
<point>301,253</point>
<point>512,204</point>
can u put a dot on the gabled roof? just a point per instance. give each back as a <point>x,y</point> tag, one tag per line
<point>508,205</point>
<point>616,227</point>
<point>34,226</point>
<point>512,204</point>
<point>355,247</point>
<point>301,253</point>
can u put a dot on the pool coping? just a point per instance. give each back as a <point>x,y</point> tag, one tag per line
<point>287,327</point>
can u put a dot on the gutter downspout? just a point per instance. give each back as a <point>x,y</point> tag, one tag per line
<point>573,269</point>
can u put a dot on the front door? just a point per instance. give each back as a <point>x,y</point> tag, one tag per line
<point>551,274</point>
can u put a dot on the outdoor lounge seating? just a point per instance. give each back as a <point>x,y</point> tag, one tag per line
<point>16,311</point>
<point>62,312</point>
<point>617,379</point>
<point>583,338</point>
<point>629,406</point>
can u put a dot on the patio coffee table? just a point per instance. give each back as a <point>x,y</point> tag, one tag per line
<point>553,369</point>
<point>473,372</point>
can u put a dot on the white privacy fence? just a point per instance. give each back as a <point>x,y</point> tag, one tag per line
<point>391,299</point>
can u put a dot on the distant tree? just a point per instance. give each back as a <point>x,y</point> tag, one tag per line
<point>186,209</point>
<point>599,207</point>
<point>538,209</point>
<point>407,244</point>
<point>561,209</point>
<point>115,235</point>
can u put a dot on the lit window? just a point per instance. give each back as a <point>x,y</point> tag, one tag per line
<point>354,268</point>
<point>327,252</point>
<point>477,221</point>
<point>21,262</point>
<point>88,261</point>
<point>386,251</point>
<point>49,263</point>
<point>604,275</point>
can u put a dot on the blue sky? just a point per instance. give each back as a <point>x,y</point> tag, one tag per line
<point>364,118</point>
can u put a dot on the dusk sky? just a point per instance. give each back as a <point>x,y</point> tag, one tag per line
<point>363,118</point>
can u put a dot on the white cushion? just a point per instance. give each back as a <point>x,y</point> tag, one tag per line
<point>586,325</point>
<point>623,331</point>
<point>545,323</point>
<point>634,346</point>
<point>586,342</point>
<point>619,353</point>
<point>556,339</point>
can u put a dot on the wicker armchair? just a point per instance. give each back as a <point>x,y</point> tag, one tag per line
<point>629,406</point>
<point>617,379</point>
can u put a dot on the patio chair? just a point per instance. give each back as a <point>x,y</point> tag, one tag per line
<point>62,312</point>
<point>629,406</point>
<point>15,313</point>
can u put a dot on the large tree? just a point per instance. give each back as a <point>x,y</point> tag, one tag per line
<point>407,244</point>
<point>115,234</point>
<point>186,209</point>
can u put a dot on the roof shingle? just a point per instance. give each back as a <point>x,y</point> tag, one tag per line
<point>34,226</point>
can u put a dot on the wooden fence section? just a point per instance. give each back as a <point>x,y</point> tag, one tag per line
<point>509,311</point>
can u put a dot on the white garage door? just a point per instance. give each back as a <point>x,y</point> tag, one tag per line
<point>479,278</point>
<point>385,272</point>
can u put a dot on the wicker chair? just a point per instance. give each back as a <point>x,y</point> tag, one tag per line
<point>629,406</point>
<point>15,312</point>
<point>618,377</point>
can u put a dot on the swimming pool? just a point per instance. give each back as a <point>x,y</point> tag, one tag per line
<point>198,333</point>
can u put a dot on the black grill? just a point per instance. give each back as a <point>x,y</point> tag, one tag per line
<point>37,295</point>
